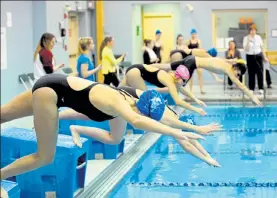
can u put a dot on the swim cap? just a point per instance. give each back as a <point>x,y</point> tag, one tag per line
<point>212,52</point>
<point>193,31</point>
<point>158,32</point>
<point>182,72</point>
<point>241,65</point>
<point>151,104</point>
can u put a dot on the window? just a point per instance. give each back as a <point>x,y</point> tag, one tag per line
<point>234,24</point>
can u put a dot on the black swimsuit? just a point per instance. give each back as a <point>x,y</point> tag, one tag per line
<point>184,54</point>
<point>193,45</point>
<point>151,77</point>
<point>190,64</point>
<point>157,51</point>
<point>67,97</point>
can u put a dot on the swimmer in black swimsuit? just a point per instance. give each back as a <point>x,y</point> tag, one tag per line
<point>171,82</point>
<point>88,100</point>
<point>169,118</point>
<point>215,65</point>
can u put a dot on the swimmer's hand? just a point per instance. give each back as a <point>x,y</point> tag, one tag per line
<point>205,130</point>
<point>257,101</point>
<point>212,162</point>
<point>4,193</point>
<point>201,103</point>
<point>201,111</point>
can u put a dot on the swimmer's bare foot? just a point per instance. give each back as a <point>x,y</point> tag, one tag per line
<point>75,136</point>
<point>4,193</point>
<point>213,162</point>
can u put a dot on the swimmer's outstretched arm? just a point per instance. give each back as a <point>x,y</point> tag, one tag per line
<point>222,66</point>
<point>70,114</point>
<point>171,120</point>
<point>242,87</point>
<point>174,94</point>
<point>186,92</point>
<point>123,109</point>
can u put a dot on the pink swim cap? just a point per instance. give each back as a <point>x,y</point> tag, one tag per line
<point>182,72</point>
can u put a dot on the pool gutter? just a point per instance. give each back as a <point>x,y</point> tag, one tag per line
<point>103,184</point>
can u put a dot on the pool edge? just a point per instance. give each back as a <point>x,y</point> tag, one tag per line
<point>112,175</point>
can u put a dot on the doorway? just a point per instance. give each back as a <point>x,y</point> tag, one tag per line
<point>164,23</point>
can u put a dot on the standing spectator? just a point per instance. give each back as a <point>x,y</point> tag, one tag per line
<point>43,58</point>
<point>195,43</point>
<point>85,66</point>
<point>232,53</point>
<point>158,46</point>
<point>268,77</point>
<point>149,56</point>
<point>109,63</point>
<point>255,55</point>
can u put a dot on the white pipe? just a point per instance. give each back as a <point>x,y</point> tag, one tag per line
<point>26,87</point>
<point>264,77</point>
<point>31,81</point>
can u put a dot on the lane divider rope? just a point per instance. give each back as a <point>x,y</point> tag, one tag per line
<point>237,115</point>
<point>205,184</point>
<point>242,152</point>
<point>249,130</point>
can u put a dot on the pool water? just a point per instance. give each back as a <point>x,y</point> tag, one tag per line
<point>246,150</point>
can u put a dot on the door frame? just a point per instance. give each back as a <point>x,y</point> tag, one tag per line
<point>152,15</point>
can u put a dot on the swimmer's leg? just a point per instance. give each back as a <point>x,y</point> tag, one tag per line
<point>46,123</point>
<point>200,80</point>
<point>70,114</point>
<point>18,107</point>
<point>117,131</point>
<point>135,80</point>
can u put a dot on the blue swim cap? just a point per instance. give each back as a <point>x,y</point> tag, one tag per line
<point>193,31</point>
<point>158,32</point>
<point>151,104</point>
<point>212,52</point>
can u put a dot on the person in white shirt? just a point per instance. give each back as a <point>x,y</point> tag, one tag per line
<point>255,55</point>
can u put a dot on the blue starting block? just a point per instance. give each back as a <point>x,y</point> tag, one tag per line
<point>96,149</point>
<point>12,188</point>
<point>60,179</point>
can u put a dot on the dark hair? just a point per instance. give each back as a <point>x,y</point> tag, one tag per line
<point>178,36</point>
<point>242,67</point>
<point>104,44</point>
<point>147,41</point>
<point>46,37</point>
